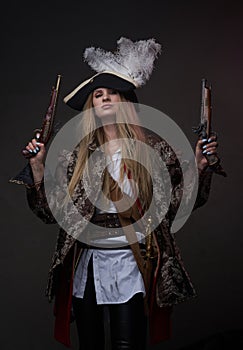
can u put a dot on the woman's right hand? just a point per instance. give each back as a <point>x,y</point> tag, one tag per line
<point>36,152</point>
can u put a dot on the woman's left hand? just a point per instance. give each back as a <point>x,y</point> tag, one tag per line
<point>203,147</point>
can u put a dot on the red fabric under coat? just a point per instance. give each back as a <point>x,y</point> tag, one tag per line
<point>159,318</point>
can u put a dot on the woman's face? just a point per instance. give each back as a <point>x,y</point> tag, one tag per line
<point>105,102</point>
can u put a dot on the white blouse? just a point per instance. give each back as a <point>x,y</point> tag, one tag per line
<point>116,275</point>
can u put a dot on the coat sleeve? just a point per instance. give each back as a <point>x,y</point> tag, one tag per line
<point>204,185</point>
<point>37,202</point>
<point>189,187</point>
<point>36,194</point>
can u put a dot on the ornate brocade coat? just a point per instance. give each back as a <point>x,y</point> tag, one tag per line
<point>171,284</point>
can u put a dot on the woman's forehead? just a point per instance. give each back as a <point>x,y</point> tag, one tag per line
<point>102,88</point>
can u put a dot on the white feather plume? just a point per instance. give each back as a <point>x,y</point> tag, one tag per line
<point>132,59</point>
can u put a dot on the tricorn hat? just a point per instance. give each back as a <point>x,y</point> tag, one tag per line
<point>124,70</point>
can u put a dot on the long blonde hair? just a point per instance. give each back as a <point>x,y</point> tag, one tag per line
<point>127,128</point>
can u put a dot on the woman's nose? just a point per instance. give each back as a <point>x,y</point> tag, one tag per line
<point>106,96</point>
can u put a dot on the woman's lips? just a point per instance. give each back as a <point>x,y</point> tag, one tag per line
<point>107,106</point>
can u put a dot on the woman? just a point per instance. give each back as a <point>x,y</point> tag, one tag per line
<point>106,271</point>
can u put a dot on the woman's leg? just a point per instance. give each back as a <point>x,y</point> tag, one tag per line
<point>128,324</point>
<point>89,317</point>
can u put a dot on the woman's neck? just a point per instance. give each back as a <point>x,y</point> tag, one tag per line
<point>110,131</point>
<point>112,143</point>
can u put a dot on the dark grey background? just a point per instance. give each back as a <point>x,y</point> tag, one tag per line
<point>199,39</point>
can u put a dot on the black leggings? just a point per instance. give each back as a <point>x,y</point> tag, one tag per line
<point>127,322</point>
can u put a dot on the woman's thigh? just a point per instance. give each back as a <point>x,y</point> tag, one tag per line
<point>89,318</point>
<point>128,324</point>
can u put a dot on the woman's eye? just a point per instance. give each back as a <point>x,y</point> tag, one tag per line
<point>113,92</point>
<point>97,95</point>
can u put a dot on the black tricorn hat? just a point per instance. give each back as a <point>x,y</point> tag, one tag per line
<point>111,80</point>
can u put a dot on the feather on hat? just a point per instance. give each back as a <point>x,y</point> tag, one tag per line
<point>129,67</point>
